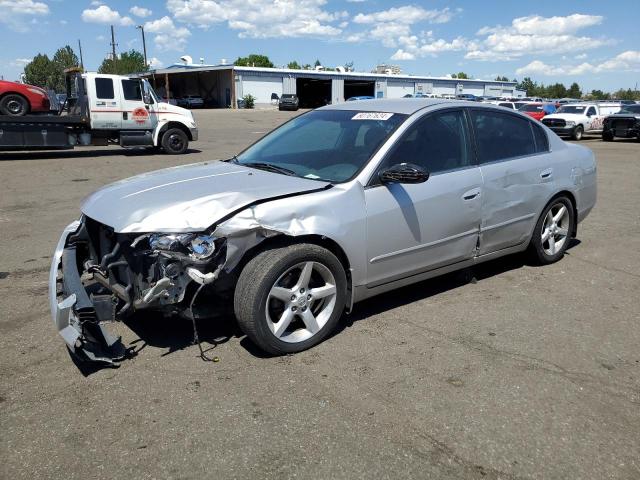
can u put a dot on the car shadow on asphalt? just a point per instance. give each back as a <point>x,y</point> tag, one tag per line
<point>175,334</point>
<point>70,154</point>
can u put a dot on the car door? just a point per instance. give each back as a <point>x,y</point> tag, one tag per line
<point>594,119</point>
<point>517,174</point>
<point>104,95</point>
<point>412,228</point>
<point>136,114</point>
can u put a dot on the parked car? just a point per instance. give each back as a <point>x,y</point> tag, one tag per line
<point>18,99</point>
<point>191,101</point>
<point>575,119</point>
<point>510,105</point>
<point>170,101</point>
<point>534,110</point>
<point>624,124</point>
<point>467,96</point>
<point>333,207</point>
<point>360,97</point>
<point>288,101</point>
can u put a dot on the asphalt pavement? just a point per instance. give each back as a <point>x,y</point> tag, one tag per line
<point>508,371</point>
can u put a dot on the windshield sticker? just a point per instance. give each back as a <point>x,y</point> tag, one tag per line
<point>372,116</point>
<point>311,175</point>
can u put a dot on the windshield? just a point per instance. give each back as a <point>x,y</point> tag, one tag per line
<point>330,145</point>
<point>530,108</point>
<point>288,95</point>
<point>635,109</point>
<point>577,109</point>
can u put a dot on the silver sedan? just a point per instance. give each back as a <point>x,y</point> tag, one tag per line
<point>335,206</point>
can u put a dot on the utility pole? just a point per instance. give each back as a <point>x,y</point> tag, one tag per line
<point>113,46</point>
<point>144,45</point>
<point>80,49</point>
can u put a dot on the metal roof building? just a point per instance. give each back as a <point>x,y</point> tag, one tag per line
<point>223,85</point>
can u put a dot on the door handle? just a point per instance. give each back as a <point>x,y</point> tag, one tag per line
<point>471,194</point>
<point>125,116</point>
<point>546,174</point>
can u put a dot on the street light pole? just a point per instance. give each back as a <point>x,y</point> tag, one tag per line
<point>144,45</point>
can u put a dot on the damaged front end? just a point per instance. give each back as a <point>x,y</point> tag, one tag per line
<point>98,276</point>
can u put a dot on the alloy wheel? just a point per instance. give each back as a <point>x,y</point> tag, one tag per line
<point>301,302</point>
<point>555,229</point>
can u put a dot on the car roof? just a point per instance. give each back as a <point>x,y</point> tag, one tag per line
<point>407,106</point>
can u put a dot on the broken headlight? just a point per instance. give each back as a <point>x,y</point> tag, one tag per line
<point>198,246</point>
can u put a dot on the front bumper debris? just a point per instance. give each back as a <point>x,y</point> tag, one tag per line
<point>98,276</point>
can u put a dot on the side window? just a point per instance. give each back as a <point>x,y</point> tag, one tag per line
<point>131,90</point>
<point>500,135</point>
<point>542,141</point>
<point>591,111</point>
<point>437,143</point>
<point>104,88</point>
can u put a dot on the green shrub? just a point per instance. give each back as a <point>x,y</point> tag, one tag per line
<point>249,101</point>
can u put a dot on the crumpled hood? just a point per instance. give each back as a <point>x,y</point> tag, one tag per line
<point>187,198</point>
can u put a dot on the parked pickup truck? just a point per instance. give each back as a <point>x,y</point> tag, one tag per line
<point>103,110</point>
<point>625,123</point>
<point>576,119</point>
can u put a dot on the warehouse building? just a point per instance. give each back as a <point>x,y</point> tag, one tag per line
<point>222,85</point>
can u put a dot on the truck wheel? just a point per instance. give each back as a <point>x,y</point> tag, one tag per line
<point>607,136</point>
<point>175,141</point>
<point>577,133</point>
<point>553,232</point>
<point>289,299</point>
<point>14,105</point>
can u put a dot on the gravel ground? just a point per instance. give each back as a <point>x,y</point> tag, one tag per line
<point>514,372</point>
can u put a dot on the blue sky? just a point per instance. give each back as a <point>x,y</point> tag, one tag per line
<point>591,42</point>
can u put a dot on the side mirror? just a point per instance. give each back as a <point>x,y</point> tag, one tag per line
<point>404,173</point>
<point>146,98</point>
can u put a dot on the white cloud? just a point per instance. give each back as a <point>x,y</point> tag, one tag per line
<point>104,14</point>
<point>625,61</point>
<point>155,63</point>
<point>536,35</point>
<point>140,11</point>
<point>407,14</point>
<point>167,35</point>
<point>262,18</point>
<point>20,62</point>
<point>14,13</point>
<point>402,55</point>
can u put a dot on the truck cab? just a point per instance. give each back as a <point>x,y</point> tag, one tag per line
<point>130,109</point>
<point>575,119</point>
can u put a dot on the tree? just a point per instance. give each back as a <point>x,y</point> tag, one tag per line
<point>294,65</point>
<point>254,60</point>
<point>317,63</point>
<point>39,71</point>
<point>64,58</point>
<point>128,62</point>
<point>502,79</point>
<point>574,91</point>
<point>527,85</point>
<point>460,75</point>
<point>557,90</point>
<point>599,95</point>
<point>348,66</point>
<point>627,94</point>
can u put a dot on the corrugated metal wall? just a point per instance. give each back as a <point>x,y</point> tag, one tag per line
<point>337,91</point>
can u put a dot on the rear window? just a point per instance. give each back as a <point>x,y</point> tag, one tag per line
<point>104,88</point>
<point>508,105</point>
<point>288,95</point>
<point>501,135</point>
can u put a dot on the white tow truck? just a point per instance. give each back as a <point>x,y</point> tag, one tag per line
<point>103,110</point>
<point>575,119</point>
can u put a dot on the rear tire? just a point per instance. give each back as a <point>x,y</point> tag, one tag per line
<point>175,141</point>
<point>553,232</point>
<point>14,105</point>
<point>577,133</point>
<point>283,310</point>
<point>607,136</point>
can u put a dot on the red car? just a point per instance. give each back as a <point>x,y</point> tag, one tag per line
<point>19,99</point>
<point>534,110</point>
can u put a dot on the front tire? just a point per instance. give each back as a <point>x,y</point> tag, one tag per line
<point>577,133</point>
<point>290,299</point>
<point>175,141</point>
<point>14,105</point>
<point>607,136</point>
<point>553,231</point>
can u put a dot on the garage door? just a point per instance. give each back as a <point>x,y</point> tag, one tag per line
<point>262,87</point>
<point>399,89</point>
